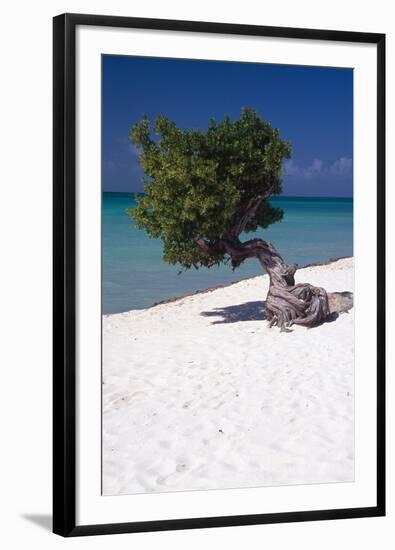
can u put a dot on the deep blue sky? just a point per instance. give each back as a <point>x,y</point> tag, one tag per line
<point>312,107</point>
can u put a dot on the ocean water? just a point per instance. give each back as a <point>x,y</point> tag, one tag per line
<point>135,276</point>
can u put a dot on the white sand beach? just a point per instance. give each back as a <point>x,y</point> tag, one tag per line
<point>200,393</point>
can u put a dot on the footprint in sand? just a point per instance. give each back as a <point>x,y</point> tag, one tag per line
<point>138,395</point>
<point>165,444</point>
<point>174,478</point>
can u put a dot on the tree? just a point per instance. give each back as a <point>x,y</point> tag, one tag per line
<point>202,190</point>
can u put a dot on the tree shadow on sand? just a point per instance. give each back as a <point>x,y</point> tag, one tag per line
<point>339,302</point>
<point>250,311</point>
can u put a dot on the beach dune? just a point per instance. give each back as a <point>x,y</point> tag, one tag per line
<point>199,393</point>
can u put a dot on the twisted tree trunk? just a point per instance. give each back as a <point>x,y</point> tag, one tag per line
<point>287,304</point>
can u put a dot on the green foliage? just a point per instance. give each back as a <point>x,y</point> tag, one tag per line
<point>197,183</point>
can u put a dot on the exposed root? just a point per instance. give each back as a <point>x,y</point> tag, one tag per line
<point>290,304</point>
<point>287,303</point>
<point>302,304</point>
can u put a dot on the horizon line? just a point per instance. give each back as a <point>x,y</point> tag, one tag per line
<point>274,196</point>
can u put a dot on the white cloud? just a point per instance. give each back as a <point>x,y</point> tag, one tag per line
<point>291,169</point>
<point>315,167</point>
<point>340,168</point>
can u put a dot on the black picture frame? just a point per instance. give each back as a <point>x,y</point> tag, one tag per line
<point>64,273</point>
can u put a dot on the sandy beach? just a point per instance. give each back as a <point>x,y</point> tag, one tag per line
<point>199,393</point>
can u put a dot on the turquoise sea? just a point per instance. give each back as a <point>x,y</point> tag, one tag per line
<point>135,276</point>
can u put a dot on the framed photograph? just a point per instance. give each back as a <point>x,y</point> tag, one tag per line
<point>219,241</point>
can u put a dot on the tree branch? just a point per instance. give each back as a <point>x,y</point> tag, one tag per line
<point>211,251</point>
<point>287,303</point>
<point>248,211</point>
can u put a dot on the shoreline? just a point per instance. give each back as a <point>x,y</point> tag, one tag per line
<point>224,285</point>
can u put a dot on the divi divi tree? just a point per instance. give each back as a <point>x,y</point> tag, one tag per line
<point>204,190</point>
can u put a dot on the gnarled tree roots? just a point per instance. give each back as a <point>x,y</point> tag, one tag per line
<point>301,304</point>
<point>287,303</point>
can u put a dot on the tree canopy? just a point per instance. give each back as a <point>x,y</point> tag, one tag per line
<point>205,188</point>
